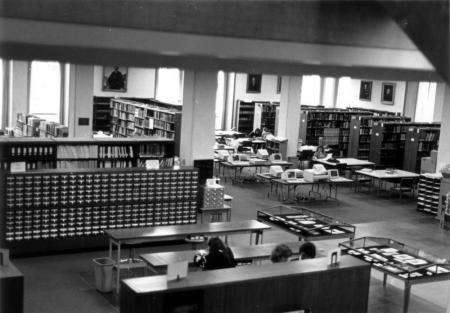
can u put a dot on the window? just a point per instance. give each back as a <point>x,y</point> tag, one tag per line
<point>426,97</point>
<point>45,90</point>
<point>344,93</point>
<point>310,90</point>
<point>168,85</point>
<point>2,74</point>
<point>328,92</point>
<point>220,99</point>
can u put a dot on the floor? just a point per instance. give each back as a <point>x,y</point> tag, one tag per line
<point>65,283</point>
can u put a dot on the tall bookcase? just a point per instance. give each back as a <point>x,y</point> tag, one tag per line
<point>102,114</point>
<point>387,143</point>
<point>419,143</point>
<point>245,116</point>
<point>69,153</point>
<point>361,132</point>
<point>52,210</point>
<point>131,118</point>
<point>269,115</point>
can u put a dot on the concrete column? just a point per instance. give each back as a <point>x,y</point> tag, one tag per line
<point>197,124</point>
<point>5,94</point>
<point>19,90</point>
<point>439,102</point>
<point>81,92</point>
<point>230,101</point>
<point>411,91</point>
<point>289,117</point>
<point>322,90</point>
<point>444,139</point>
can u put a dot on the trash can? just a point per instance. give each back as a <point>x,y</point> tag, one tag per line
<point>103,270</point>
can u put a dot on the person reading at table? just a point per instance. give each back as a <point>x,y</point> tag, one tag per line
<point>219,256</point>
<point>281,253</point>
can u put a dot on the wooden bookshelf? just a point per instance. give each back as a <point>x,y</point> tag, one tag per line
<point>102,114</point>
<point>428,193</point>
<point>33,126</point>
<point>361,132</point>
<point>246,115</point>
<point>269,115</point>
<point>419,143</point>
<point>387,143</point>
<point>57,209</point>
<point>131,119</point>
<point>69,153</point>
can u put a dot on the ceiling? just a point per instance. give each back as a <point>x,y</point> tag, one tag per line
<point>334,37</point>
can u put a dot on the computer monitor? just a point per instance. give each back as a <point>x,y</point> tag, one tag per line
<point>275,157</point>
<point>275,170</point>
<point>333,173</point>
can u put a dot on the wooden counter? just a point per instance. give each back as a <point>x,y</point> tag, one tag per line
<point>264,288</point>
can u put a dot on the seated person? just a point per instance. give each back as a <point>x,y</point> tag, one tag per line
<point>281,253</point>
<point>321,152</point>
<point>307,251</point>
<point>265,133</point>
<point>219,256</point>
<point>256,133</point>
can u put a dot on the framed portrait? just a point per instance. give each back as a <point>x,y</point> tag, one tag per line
<point>278,84</point>
<point>254,83</point>
<point>115,78</point>
<point>365,90</point>
<point>387,93</point>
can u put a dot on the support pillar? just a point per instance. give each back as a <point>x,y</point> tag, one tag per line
<point>198,117</point>
<point>289,117</point>
<point>411,92</point>
<point>19,90</point>
<point>444,142</point>
<point>81,93</point>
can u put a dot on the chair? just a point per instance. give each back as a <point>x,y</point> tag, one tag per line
<point>305,156</point>
<point>404,185</point>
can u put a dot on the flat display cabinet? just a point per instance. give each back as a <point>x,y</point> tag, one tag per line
<point>408,264</point>
<point>306,224</point>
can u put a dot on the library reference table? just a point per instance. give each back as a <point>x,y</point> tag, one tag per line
<point>159,261</point>
<point>385,175</point>
<point>411,265</point>
<point>279,287</point>
<point>329,186</point>
<point>307,224</point>
<point>349,162</point>
<point>11,289</point>
<point>118,237</point>
<point>237,168</point>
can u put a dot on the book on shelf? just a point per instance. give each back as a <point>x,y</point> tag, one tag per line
<point>77,151</point>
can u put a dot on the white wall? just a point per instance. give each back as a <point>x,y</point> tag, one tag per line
<point>375,103</point>
<point>141,83</point>
<point>268,89</point>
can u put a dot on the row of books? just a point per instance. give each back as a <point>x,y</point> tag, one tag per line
<point>77,151</point>
<point>115,152</point>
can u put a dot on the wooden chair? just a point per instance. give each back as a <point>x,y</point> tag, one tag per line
<point>405,185</point>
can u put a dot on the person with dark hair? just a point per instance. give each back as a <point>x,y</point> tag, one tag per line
<point>219,256</point>
<point>307,251</point>
<point>281,253</point>
<point>256,133</point>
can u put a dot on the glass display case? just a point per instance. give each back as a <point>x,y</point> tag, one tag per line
<point>306,224</point>
<point>397,259</point>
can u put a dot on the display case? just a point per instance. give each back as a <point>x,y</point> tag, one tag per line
<point>397,259</point>
<point>306,224</point>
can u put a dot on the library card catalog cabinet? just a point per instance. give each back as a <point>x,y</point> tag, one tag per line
<point>57,205</point>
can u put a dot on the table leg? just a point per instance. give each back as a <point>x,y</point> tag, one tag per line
<point>406,297</point>
<point>110,248</point>
<point>251,238</point>
<point>384,279</point>
<point>118,267</point>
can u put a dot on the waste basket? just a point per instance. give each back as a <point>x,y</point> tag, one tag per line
<point>103,270</point>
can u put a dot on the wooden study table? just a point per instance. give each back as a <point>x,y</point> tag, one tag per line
<point>332,185</point>
<point>118,237</point>
<point>279,287</point>
<point>349,162</point>
<point>159,261</point>
<point>383,175</point>
<point>237,168</point>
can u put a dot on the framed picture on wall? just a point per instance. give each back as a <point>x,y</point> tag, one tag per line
<point>365,90</point>
<point>387,93</point>
<point>254,83</point>
<point>278,84</point>
<point>115,78</point>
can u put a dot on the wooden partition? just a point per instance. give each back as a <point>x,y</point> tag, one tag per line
<point>281,287</point>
